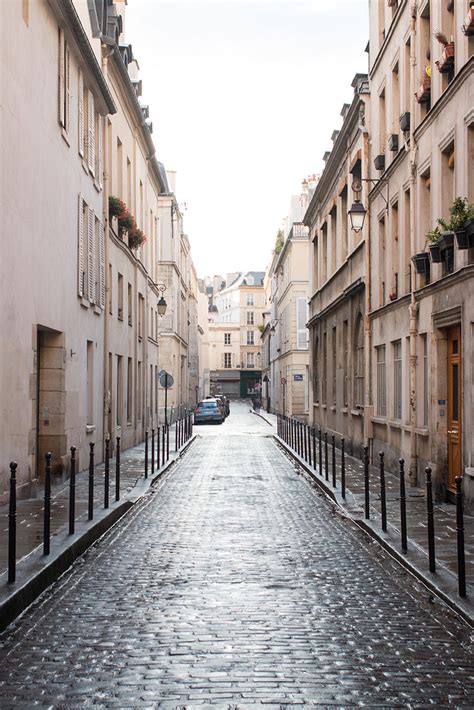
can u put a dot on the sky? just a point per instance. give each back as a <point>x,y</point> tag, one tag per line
<point>244,96</point>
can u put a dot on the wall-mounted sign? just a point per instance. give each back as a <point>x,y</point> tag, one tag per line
<point>298,378</point>
<point>283,380</point>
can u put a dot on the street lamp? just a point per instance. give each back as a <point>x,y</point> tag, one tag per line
<point>357,215</point>
<point>162,305</point>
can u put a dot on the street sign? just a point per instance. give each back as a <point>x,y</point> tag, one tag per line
<point>298,378</point>
<point>166,380</point>
<point>283,380</point>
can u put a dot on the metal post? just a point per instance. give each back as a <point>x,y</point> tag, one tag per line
<point>90,507</point>
<point>429,510</point>
<point>72,492</point>
<point>320,458</point>
<point>304,431</point>
<point>366,482</point>
<point>403,506</point>
<point>326,461</point>
<point>158,435</point>
<point>333,444</point>
<point>308,437</point>
<point>383,502</point>
<point>152,452</point>
<point>460,538</point>
<point>163,444</point>
<point>47,505</point>
<point>167,442</point>
<point>314,448</point>
<point>300,439</point>
<point>107,473</point>
<point>343,470</point>
<point>117,469</point>
<point>12,525</point>
<point>146,454</point>
<point>176,436</point>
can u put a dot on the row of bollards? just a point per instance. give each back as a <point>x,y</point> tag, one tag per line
<point>310,446</point>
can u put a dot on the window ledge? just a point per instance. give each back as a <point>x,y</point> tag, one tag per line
<point>379,420</point>
<point>85,167</point>
<point>90,428</point>
<point>357,412</point>
<point>316,404</point>
<point>395,424</point>
<point>65,135</point>
<point>344,410</point>
<point>333,408</point>
<point>84,302</point>
<point>97,310</point>
<point>129,423</point>
<point>324,406</point>
<point>423,431</point>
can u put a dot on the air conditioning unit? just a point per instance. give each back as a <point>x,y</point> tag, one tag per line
<point>379,162</point>
<point>393,142</point>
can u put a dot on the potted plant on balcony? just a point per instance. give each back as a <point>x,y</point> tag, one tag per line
<point>116,206</point>
<point>462,222</point>
<point>421,262</point>
<point>433,238</point>
<point>423,94</point>
<point>446,61</point>
<point>136,237</point>
<point>468,26</point>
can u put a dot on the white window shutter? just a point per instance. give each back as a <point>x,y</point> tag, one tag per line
<point>100,139</point>
<point>80,253</point>
<point>90,255</point>
<point>90,132</point>
<point>67,89</point>
<point>101,265</point>
<point>301,318</point>
<point>81,113</point>
<point>61,77</point>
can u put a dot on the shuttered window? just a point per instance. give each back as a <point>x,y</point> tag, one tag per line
<point>91,256</point>
<point>301,320</point>
<point>90,132</point>
<point>381,382</point>
<point>80,97</point>
<point>397,379</point>
<point>64,91</point>
<point>81,273</point>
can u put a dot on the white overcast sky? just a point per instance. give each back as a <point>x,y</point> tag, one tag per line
<point>244,96</point>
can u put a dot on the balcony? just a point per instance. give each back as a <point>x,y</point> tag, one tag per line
<point>468,26</point>
<point>423,95</point>
<point>446,62</point>
<point>299,231</point>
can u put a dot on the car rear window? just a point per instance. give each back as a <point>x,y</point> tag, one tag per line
<point>207,405</point>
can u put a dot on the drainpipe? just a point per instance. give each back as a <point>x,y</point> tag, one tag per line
<point>368,409</point>
<point>413,307</point>
<point>107,395</point>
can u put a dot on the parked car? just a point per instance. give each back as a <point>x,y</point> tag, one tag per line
<point>208,411</point>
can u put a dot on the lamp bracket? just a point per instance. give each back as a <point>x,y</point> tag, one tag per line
<point>357,186</point>
<point>161,287</point>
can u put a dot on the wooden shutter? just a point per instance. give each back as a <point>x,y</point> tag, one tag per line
<point>100,139</point>
<point>301,318</point>
<point>67,88</point>
<point>61,76</point>
<point>81,114</point>
<point>90,132</point>
<point>80,251</point>
<point>101,244</point>
<point>90,255</point>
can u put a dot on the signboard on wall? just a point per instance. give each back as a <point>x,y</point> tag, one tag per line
<point>298,378</point>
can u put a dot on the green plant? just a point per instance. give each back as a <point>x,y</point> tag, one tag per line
<point>433,235</point>
<point>460,213</point>
<point>116,206</point>
<point>279,241</point>
<point>136,237</point>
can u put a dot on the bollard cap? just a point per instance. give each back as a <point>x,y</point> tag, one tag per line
<point>13,466</point>
<point>73,450</point>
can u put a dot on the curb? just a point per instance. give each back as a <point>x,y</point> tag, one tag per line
<point>464,610</point>
<point>66,549</point>
<point>257,414</point>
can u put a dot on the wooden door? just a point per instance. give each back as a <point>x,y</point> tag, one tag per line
<point>454,406</point>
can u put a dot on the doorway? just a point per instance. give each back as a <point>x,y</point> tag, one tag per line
<point>454,406</point>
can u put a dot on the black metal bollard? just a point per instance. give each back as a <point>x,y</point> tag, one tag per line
<point>366,482</point>
<point>313,433</point>
<point>12,525</point>
<point>308,436</point>
<point>158,435</point>
<point>72,492</point>
<point>403,506</point>
<point>320,458</point>
<point>146,454</point>
<point>117,469</point>
<point>430,516</point>
<point>343,470</point>
<point>163,444</point>
<point>90,507</point>
<point>167,443</point>
<point>176,436</point>
<point>47,505</point>
<point>326,459</point>
<point>304,431</point>
<point>460,538</point>
<point>107,473</point>
<point>152,452</point>
<point>333,445</point>
<point>383,501</point>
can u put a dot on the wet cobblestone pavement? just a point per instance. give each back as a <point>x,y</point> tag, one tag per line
<point>233,584</point>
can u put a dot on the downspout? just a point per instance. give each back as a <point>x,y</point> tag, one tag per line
<point>413,307</point>
<point>368,408</point>
<point>106,392</point>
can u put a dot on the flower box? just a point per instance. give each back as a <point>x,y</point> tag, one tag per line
<point>424,91</point>
<point>435,253</point>
<point>468,26</point>
<point>465,236</point>
<point>446,241</point>
<point>405,121</point>
<point>421,262</point>
<point>379,162</point>
<point>393,142</point>
<point>446,61</point>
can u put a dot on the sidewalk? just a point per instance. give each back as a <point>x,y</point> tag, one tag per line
<point>34,571</point>
<point>445,581</point>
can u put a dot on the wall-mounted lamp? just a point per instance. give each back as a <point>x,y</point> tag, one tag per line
<point>357,212</point>
<point>162,305</point>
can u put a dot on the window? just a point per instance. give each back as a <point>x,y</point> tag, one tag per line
<point>316,366</point>
<point>301,320</point>
<point>359,363</point>
<point>151,390</point>
<point>250,337</point>
<point>64,91</point>
<point>139,391</point>
<point>227,359</point>
<point>381,382</point>
<point>250,360</point>
<point>120,296</point>
<point>119,168</point>
<point>129,391</point>
<point>397,379</point>
<point>90,383</point>
<point>141,315</point>
<point>325,369</point>
<point>424,340</point>
<point>334,366</point>
<point>110,288</point>
<point>119,393</point>
<point>345,350</point>
<point>130,304</point>
<point>91,256</point>
<point>250,301</point>
<point>156,389</point>
<point>227,338</point>
<point>250,318</point>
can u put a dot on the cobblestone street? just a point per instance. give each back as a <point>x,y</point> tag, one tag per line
<point>236,583</point>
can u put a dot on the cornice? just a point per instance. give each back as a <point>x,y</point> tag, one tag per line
<point>388,37</point>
